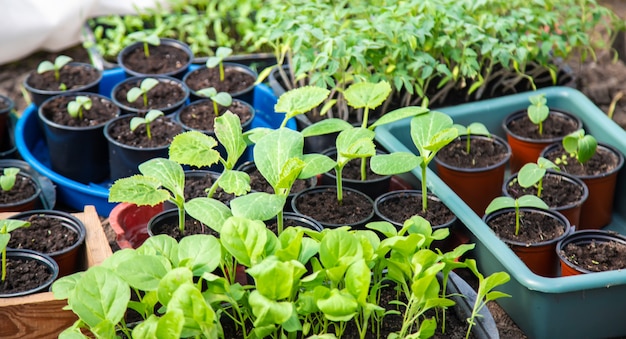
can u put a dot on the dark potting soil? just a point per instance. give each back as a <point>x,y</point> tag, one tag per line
<point>164,95</point>
<point>603,161</point>
<point>555,125</point>
<point>234,80</point>
<point>192,226</point>
<point>198,186</point>
<point>534,227</point>
<point>483,153</point>
<point>45,234</point>
<point>324,207</point>
<point>597,256</point>
<point>352,170</point>
<point>71,75</point>
<point>163,130</point>
<point>200,115</point>
<point>259,184</point>
<point>162,59</point>
<point>556,192</point>
<point>23,275</point>
<point>101,111</point>
<point>23,189</point>
<point>403,206</point>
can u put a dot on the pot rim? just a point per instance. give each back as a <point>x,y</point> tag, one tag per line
<point>36,195</point>
<point>495,139</point>
<point>77,89</point>
<point>160,78</point>
<point>34,255</point>
<point>521,113</point>
<point>244,125</point>
<point>123,145</point>
<point>611,148</point>
<point>580,236</point>
<point>241,67</point>
<point>411,192</point>
<point>163,41</point>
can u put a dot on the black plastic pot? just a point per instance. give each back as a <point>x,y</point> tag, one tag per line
<point>190,175</point>
<point>67,259</point>
<point>38,96</point>
<point>32,255</point>
<point>78,153</point>
<point>5,115</point>
<point>178,73</point>
<point>295,219</point>
<point>136,81</point>
<point>583,237</point>
<point>246,94</point>
<point>25,204</point>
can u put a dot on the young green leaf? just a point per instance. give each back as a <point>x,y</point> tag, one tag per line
<point>59,62</point>
<point>538,111</point>
<point>299,101</point>
<point>222,98</point>
<point>367,95</point>
<point>8,177</point>
<point>144,87</point>
<point>75,107</point>
<point>151,116</point>
<point>533,173</point>
<point>580,145</point>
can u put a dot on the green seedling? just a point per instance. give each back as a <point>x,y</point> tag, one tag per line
<point>533,173</point>
<point>528,200</point>
<point>218,59</point>
<point>7,179</point>
<point>146,85</point>
<point>538,111</point>
<point>75,107</point>
<point>301,100</point>
<point>146,39</point>
<point>475,128</point>
<point>580,146</point>
<point>221,98</point>
<point>59,62</point>
<point>8,225</point>
<point>151,116</point>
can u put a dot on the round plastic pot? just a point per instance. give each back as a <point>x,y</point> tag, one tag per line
<point>38,96</point>
<point>33,255</point>
<point>27,204</point>
<point>246,94</point>
<point>78,153</point>
<point>583,237</point>
<point>539,257</point>
<point>525,150</point>
<point>476,186</point>
<point>189,175</point>
<point>136,81</point>
<point>570,211</point>
<point>5,115</point>
<point>597,210</point>
<point>295,219</point>
<point>178,73</point>
<point>130,223</point>
<point>68,259</point>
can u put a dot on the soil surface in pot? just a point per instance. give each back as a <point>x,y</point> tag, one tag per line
<point>192,226</point>
<point>234,80</point>
<point>23,189</point>
<point>201,116</point>
<point>403,206</point>
<point>164,95</point>
<point>534,227</point>
<point>163,59</point>
<point>556,192</point>
<point>596,256</point>
<point>45,235</point>
<point>71,75</point>
<point>163,130</point>
<point>259,184</point>
<point>324,207</point>
<point>603,161</point>
<point>483,153</point>
<point>23,275</point>
<point>554,126</point>
<point>198,186</point>
<point>101,111</point>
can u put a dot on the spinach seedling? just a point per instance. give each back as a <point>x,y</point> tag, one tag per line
<point>533,173</point>
<point>475,128</point>
<point>580,146</point>
<point>538,111</point>
<point>147,120</point>
<point>146,39</point>
<point>221,98</point>
<point>528,200</point>
<point>75,107</point>
<point>218,59</point>
<point>59,62</point>
<point>146,85</point>
<point>7,179</point>
<point>8,225</point>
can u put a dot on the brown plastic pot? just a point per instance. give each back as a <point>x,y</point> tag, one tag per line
<point>539,257</point>
<point>597,210</point>
<point>476,186</point>
<point>28,255</point>
<point>130,223</point>
<point>584,237</point>
<point>527,150</point>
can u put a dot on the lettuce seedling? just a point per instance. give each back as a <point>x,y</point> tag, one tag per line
<point>580,146</point>
<point>59,62</point>
<point>218,59</point>
<point>146,39</point>
<point>8,225</point>
<point>538,111</point>
<point>146,85</point>
<point>221,98</point>
<point>147,120</point>
<point>533,173</point>
<point>527,200</point>
<point>7,179</point>
<point>475,128</point>
<point>75,107</point>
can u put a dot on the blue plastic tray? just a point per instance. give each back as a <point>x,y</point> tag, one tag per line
<point>583,306</point>
<point>31,145</point>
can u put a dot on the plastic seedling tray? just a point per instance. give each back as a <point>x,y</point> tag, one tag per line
<point>583,306</point>
<point>31,145</point>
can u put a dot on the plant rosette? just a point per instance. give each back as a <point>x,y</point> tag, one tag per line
<point>42,272</point>
<point>238,81</point>
<point>588,251</point>
<point>76,142</point>
<point>164,56</point>
<point>166,94</point>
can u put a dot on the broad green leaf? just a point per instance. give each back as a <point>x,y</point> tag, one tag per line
<point>384,227</point>
<point>244,239</point>
<point>300,100</point>
<point>199,317</point>
<point>399,114</point>
<point>267,311</point>
<point>276,280</point>
<point>202,251</point>
<point>133,94</point>
<point>339,247</point>
<point>532,201</point>
<point>358,278</point>
<point>61,61</point>
<point>339,306</point>
<point>160,245</point>
<point>431,130</point>
<point>530,174</point>
<point>169,173</point>
<point>223,99</point>
<point>367,94</point>
<point>138,189</point>
<point>326,126</point>
<point>394,163</point>
<point>171,282</point>
<point>144,271</point>
<point>273,150</point>
<point>586,148</point>
<point>63,286</point>
<point>235,182</point>
<point>288,174</point>
<point>194,148</point>
<point>257,205</point>
<point>148,84</point>
<point>210,212</point>
<point>45,66</point>
<point>228,132</point>
<point>314,164</point>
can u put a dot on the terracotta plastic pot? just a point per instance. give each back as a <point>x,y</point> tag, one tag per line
<point>178,73</point>
<point>525,150</point>
<point>476,186</point>
<point>130,223</point>
<point>597,210</point>
<point>583,237</point>
<point>540,257</point>
<point>24,254</point>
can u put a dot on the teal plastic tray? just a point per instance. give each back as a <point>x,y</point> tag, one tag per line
<point>584,306</point>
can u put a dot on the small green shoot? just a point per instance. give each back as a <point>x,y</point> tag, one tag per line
<point>218,59</point>
<point>368,96</point>
<point>146,85</point>
<point>580,145</point>
<point>147,120</point>
<point>146,39</point>
<point>538,111</point>
<point>533,173</point>
<point>59,62</point>
<point>475,128</point>
<point>8,225</point>
<point>75,107</point>
<point>7,179</point>
<point>528,200</point>
<point>222,98</point>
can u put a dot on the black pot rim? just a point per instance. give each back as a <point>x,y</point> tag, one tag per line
<point>612,149</point>
<point>10,104</point>
<point>333,151</point>
<point>36,195</point>
<point>567,176</point>
<point>244,125</point>
<point>77,89</point>
<point>242,67</point>
<point>520,114</point>
<point>164,41</point>
<point>551,213</point>
<point>74,128</point>
<point>584,237</point>
<point>411,192</point>
<point>163,78</point>
<point>119,144</point>
<point>46,259</point>
<point>496,139</point>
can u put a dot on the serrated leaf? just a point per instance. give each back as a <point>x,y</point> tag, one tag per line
<point>257,205</point>
<point>139,190</point>
<point>300,100</point>
<point>194,148</point>
<point>367,94</point>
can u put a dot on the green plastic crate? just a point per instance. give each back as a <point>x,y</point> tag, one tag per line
<point>583,306</point>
